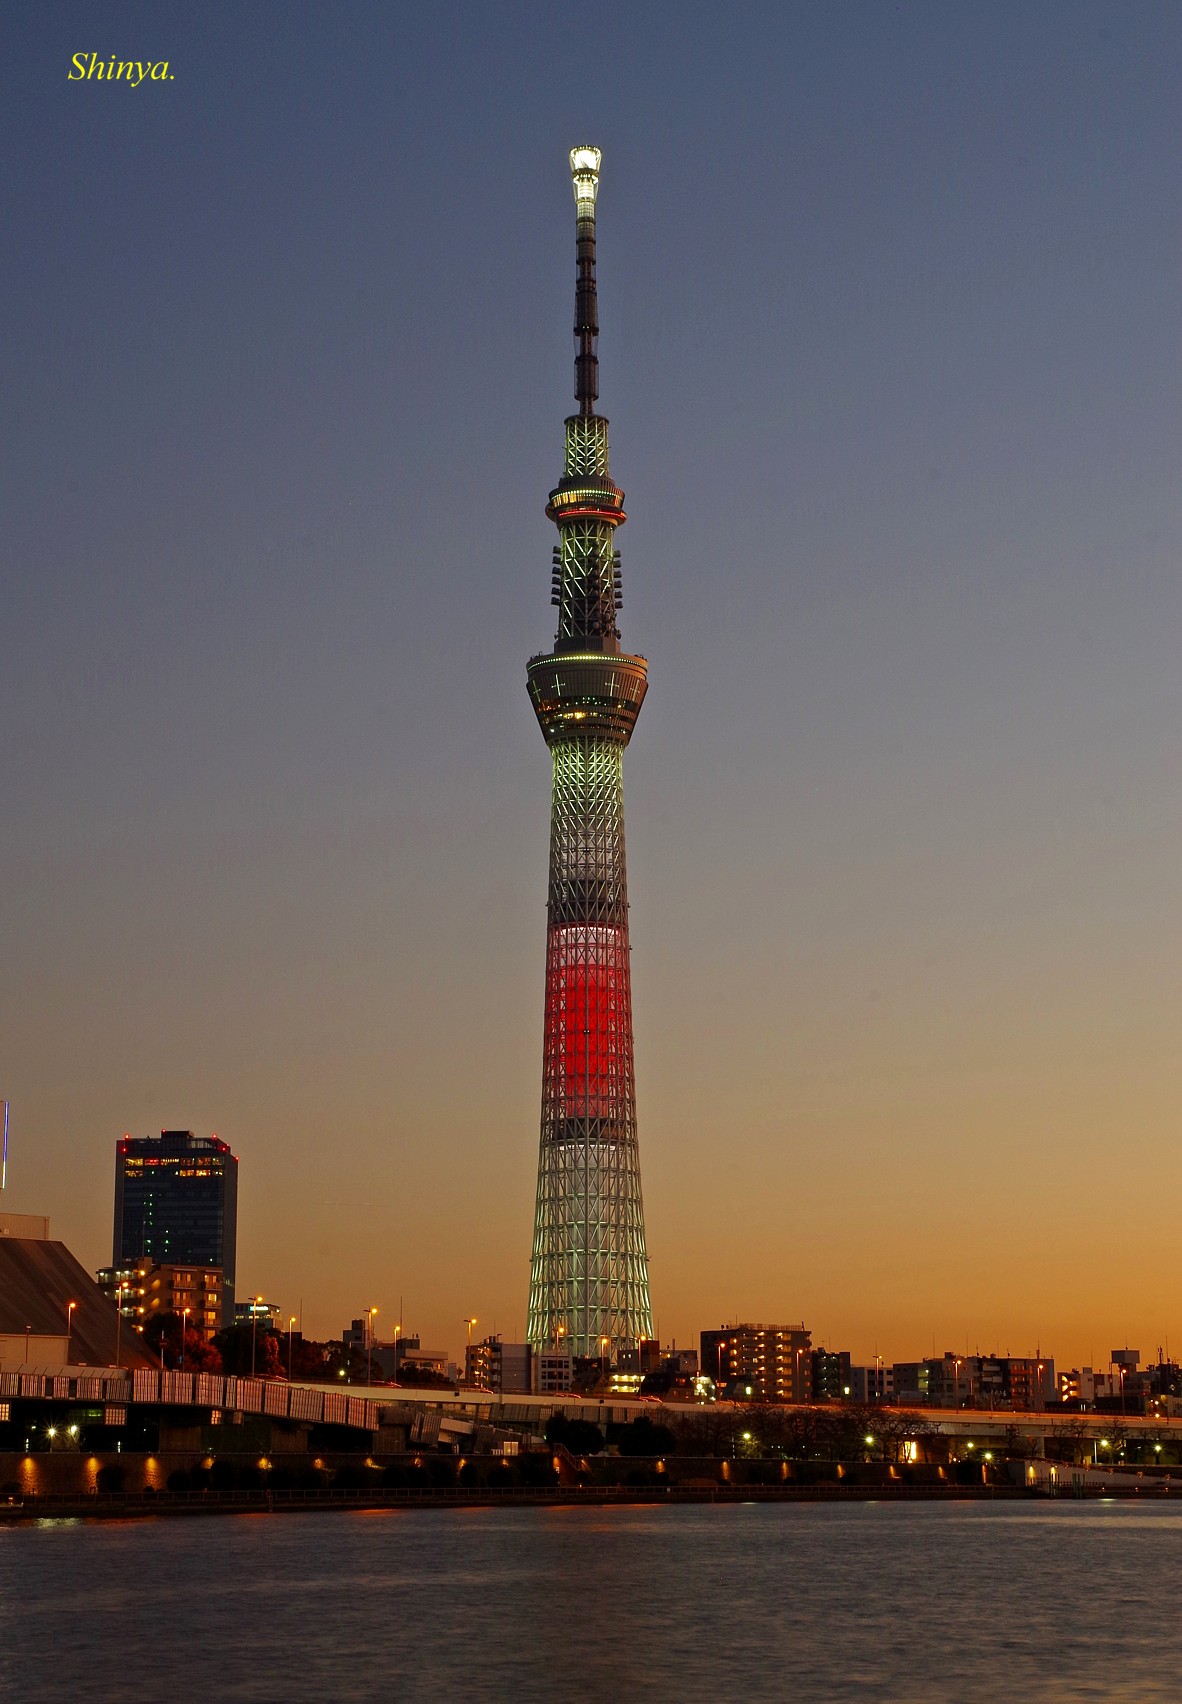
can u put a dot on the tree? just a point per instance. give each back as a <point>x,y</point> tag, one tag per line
<point>234,1344</point>
<point>580,1437</point>
<point>163,1332</point>
<point>645,1437</point>
<point>1071,1439</point>
<point>309,1360</point>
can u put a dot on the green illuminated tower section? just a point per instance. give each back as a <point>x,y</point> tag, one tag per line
<point>588,1288</point>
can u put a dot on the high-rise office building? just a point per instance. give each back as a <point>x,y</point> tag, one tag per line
<point>589,1290</point>
<point>176,1203</point>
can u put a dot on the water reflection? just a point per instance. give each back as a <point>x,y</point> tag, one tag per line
<point>915,1602</point>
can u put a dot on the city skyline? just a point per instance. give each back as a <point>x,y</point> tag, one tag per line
<point>892,306</point>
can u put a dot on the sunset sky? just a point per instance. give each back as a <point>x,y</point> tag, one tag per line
<point>889,301</point>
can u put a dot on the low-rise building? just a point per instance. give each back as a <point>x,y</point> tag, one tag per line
<point>872,1384</point>
<point>497,1366</point>
<point>143,1288</point>
<point>763,1363</point>
<point>52,1313</point>
<point>553,1372</point>
<point>976,1381</point>
<point>263,1315</point>
<point>832,1375</point>
<point>413,1358</point>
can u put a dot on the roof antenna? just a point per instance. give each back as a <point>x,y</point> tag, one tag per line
<point>584,171</point>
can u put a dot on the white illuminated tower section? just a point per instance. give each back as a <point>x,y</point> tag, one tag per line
<point>589,1273</point>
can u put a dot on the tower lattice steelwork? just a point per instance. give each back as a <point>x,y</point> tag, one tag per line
<point>589,1274</point>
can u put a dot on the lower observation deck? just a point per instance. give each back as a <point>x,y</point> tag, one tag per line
<point>577,693</point>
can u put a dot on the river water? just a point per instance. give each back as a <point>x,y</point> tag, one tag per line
<point>917,1602</point>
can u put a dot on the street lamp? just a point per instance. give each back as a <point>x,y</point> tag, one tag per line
<point>369,1346</point>
<point>397,1335</point>
<point>118,1322</point>
<point>255,1302</point>
<point>70,1306</point>
<point>184,1326</point>
<point>291,1319</point>
<point>603,1344</point>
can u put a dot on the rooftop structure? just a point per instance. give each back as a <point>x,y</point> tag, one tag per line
<point>52,1313</point>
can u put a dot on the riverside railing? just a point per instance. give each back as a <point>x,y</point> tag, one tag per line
<point>272,1397</point>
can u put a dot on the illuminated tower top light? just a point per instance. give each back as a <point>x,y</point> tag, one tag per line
<point>584,169</point>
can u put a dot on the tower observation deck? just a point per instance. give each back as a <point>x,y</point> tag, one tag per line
<point>589,1273</point>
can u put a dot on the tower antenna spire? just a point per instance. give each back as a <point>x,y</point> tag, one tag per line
<point>584,171</point>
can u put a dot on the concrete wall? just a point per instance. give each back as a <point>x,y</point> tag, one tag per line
<point>24,1354</point>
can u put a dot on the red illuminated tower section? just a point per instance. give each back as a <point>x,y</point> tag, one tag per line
<point>589,1274</point>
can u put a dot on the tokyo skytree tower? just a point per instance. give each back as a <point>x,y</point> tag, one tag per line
<point>588,1290</point>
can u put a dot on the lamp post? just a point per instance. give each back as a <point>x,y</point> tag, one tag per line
<point>603,1346</point>
<point>184,1327</point>
<point>254,1329</point>
<point>468,1359</point>
<point>70,1306</point>
<point>291,1319</point>
<point>118,1322</point>
<point>397,1335</point>
<point>369,1345</point>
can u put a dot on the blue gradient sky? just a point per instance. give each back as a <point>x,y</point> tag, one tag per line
<point>890,347</point>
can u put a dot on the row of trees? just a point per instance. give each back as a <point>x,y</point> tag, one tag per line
<point>640,1437</point>
<point>244,1349</point>
<point>839,1434</point>
<point>241,1349</point>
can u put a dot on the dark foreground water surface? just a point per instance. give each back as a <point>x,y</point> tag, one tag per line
<point>919,1602</point>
